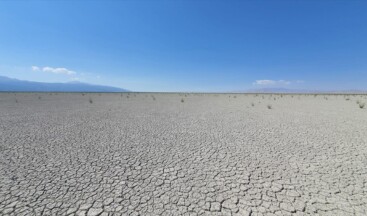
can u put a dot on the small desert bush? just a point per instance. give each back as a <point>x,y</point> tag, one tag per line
<point>269,106</point>
<point>90,100</point>
<point>182,100</point>
<point>39,97</point>
<point>252,104</point>
<point>361,105</point>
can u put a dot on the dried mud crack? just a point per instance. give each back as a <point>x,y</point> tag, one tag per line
<point>126,154</point>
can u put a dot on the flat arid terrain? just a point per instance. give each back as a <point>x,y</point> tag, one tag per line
<point>182,154</point>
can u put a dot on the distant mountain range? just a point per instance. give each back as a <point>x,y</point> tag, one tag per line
<point>9,84</point>
<point>302,91</point>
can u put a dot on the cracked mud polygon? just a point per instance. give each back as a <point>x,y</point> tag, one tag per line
<point>182,154</point>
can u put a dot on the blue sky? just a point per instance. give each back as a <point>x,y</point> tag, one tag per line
<point>187,45</point>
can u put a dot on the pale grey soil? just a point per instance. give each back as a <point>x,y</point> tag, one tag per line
<point>212,154</point>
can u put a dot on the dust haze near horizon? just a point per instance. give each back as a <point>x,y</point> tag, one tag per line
<point>205,46</point>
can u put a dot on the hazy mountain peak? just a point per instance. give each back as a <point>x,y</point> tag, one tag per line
<point>10,84</point>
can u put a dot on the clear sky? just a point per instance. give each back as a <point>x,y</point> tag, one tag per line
<point>187,45</point>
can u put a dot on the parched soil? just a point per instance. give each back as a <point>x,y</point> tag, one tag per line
<point>182,154</point>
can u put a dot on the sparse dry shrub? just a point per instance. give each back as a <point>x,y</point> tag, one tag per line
<point>269,106</point>
<point>182,100</point>
<point>361,105</point>
<point>90,100</point>
<point>252,104</point>
<point>39,97</point>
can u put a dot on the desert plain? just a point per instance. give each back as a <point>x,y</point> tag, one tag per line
<point>182,154</point>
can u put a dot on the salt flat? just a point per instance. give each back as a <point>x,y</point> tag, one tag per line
<point>182,154</point>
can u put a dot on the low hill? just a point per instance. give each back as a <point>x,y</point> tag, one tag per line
<point>9,84</point>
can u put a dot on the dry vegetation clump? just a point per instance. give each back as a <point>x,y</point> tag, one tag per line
<point>252,104</point>
<point>90,100</point>
<point>269,106</point>
<point>182,100</point>
<point>39,97</point>
<point>361,105</point>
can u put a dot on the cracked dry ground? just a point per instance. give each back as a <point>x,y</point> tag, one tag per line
<point>144,154</point>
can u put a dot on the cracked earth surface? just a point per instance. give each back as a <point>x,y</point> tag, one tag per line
<point>209,154</point>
